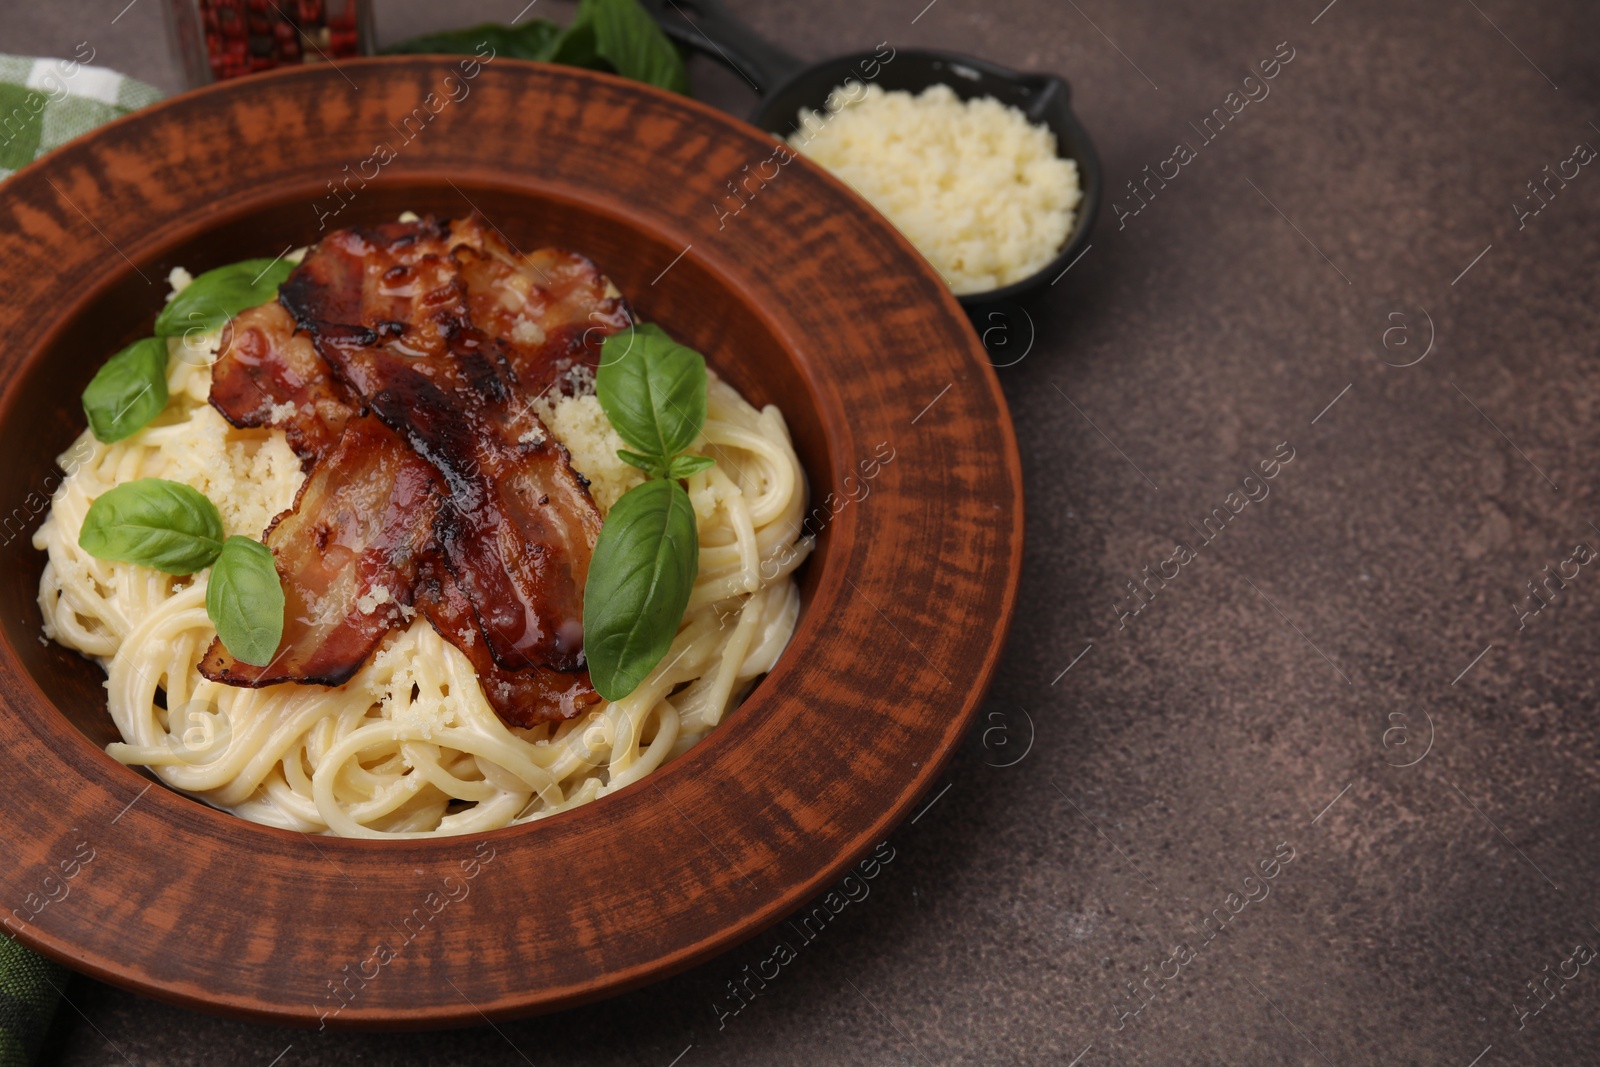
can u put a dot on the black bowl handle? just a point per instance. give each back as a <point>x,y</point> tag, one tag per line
<point>707,26</point>
<point>1044,90</point>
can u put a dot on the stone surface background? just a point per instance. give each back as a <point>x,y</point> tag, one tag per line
<point>1341,675</point>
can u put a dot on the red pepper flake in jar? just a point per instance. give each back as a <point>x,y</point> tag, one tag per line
<point>219,39</point>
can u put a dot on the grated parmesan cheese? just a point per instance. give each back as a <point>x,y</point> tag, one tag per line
<point>580,424</point>
<point>977,188</point>
<point>527,333</point>
<point>250,477</point>
<point>372,599</point>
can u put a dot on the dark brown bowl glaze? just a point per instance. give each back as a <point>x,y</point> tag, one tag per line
<point>806,299</point>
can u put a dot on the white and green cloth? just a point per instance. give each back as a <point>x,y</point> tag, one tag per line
<point>44,103</point>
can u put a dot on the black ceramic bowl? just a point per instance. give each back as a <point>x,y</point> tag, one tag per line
<point>787,84</point>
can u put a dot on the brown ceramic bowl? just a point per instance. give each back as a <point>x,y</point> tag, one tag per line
<point>806,299</point>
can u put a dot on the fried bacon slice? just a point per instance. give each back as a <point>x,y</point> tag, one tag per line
<point>521,698</point>
<point>455,497</point>
<point>397,280</point>
<point>347,555</point>
<point>551,308</point>
<point>269,375</point>
<point>519,526</point>
<point>413,283</point>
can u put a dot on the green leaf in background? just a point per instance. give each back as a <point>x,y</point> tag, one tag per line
<point>245,601</point>
<point>576,45</point>
<point>643,571</point>
<point>532,40</point>
<point>152,522</point>
<point>129,391</point>
<point>635,46</point>
<point>218,295</point>
<point>684,466</point>
<point>653,390</point>
<point>611,35</point>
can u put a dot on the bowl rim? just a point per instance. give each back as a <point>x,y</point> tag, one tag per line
<point>751,922</point>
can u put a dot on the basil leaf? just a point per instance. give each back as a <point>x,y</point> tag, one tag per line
<point>532,40</point>
<point>635,45</point>
<point>653,390</point>
<point>154,523</point>
<point>651,465</point>
<point>129,391</point>
<point>640,578</point>
<point>245,601</point>
<point>683,466</point>
<point>218,295</point>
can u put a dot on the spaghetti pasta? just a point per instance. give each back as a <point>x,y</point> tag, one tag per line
<point>409,746</point>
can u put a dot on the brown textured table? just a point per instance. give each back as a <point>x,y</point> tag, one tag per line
<point>1344,667</point>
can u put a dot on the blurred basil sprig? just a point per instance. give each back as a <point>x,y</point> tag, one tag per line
<point>611,35</point>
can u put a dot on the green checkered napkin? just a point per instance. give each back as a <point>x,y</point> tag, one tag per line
<point>45,103</point>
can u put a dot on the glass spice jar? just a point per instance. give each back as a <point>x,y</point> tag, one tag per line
<point>218,39</point>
